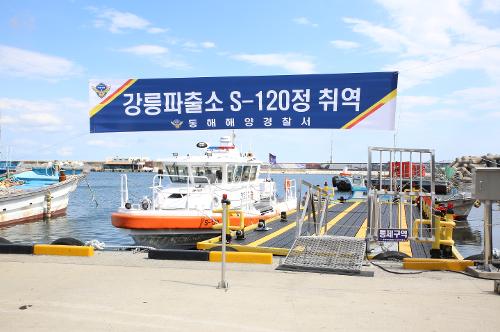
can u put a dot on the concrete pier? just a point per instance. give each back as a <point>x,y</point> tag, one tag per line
<point>122,291</point>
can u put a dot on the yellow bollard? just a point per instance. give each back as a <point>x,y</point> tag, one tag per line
<point>443,236</point>
<point>238,213</point>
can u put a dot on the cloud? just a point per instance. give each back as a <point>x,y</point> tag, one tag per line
<point>207,44</point>
<point>42,115</point>
<point>157,54</point>
<point>191,46</point>
<point>145,50</point>
<point>23,63</point>
<point>408,102</point>
<point>65,151</point>
<point>7,120</point>
<point>22,105</point>
<point>104,143</point>
<point>291,62</point>
<point>156,30</point>
<point>478,98</point>
<point>117,22</point>
<point>430,45</point>
<point>305,21</point>
<point>197,47</point>
<point>171,63</point>
<point>491,6</point>
<point>41,119</point>
<point>344,44</point>
<point>389,40</point>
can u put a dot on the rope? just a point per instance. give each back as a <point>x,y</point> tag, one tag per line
<point>96,244</point>
<point>91,192</point>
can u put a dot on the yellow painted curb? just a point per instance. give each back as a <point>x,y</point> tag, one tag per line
<point>62,250</point>
<point>436,264</point>
<point>242,257</point>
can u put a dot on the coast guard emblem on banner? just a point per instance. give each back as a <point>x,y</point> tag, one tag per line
<point>177,123</point>
<point>101,89</point>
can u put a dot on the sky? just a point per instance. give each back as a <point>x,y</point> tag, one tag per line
<point>447,54</point>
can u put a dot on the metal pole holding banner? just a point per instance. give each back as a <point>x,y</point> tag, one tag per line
<point>487,235</point>
<point>223,284</point>
<point>369,224</point>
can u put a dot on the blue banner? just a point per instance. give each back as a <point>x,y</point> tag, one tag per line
<point>338,101</point>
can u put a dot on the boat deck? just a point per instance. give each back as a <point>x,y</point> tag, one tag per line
<point>343,219</point>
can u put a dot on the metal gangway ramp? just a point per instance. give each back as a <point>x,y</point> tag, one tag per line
<point>314,250</point>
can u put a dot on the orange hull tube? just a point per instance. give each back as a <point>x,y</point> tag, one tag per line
<point>130,221</point>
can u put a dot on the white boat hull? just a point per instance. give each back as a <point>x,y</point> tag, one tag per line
<point>24,206</point>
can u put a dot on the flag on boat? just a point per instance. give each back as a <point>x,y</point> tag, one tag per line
<point>272,159</point>
<point>336,101</point>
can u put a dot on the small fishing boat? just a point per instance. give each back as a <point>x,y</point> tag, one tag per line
<point>462,204</point>
<point>52,169</point>
<point>185,203</point>
<point>350,186</point>
<point>8,167</point>
<point>29,196</point>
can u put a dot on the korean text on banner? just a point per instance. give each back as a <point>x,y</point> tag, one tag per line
<point>336,101</point>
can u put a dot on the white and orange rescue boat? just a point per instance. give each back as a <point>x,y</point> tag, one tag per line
<point>185,202</point>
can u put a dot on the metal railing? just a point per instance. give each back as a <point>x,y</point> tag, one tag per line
<point>190,184</point>
<point>290,189</point>
<point>243,202</point>
<point>314,208</point>
<point>123,190</point>
<point>402,182</point>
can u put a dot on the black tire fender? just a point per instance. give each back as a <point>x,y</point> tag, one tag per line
<point>69,241</point>
<point>391,256</point>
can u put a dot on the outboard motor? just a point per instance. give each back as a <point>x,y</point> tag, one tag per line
<point>344,185</point>
<point>335,181</point>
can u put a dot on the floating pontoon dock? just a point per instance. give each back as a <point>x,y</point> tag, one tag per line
<point>344,219</point>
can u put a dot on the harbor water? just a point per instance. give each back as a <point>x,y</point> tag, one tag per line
<point>89,215</point>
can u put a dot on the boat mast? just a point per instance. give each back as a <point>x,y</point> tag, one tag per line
<point>331,148</point>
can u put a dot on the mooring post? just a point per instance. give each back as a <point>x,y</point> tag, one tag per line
<point>225,207</point>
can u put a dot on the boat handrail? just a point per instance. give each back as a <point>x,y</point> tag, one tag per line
<point>157,186</point>
<point>291,191</point>
<point>123,190</point>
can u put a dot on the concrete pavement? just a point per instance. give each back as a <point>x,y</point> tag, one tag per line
<point>122,291</point>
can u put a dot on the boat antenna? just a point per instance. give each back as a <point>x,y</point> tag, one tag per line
<point>331,148</point>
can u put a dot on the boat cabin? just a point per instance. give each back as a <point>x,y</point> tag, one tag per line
<point>222,164</point>
<point>211,172</point>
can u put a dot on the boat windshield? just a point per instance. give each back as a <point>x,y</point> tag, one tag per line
<point>357,180</point>
<point>177,173</point>
<point>241,173</point>
<point>202,174</point>
<point>246,173</point>
<point>230,173</point>
<point>253,173</point>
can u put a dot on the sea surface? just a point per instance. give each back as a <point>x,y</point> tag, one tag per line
<point>91,205</point>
